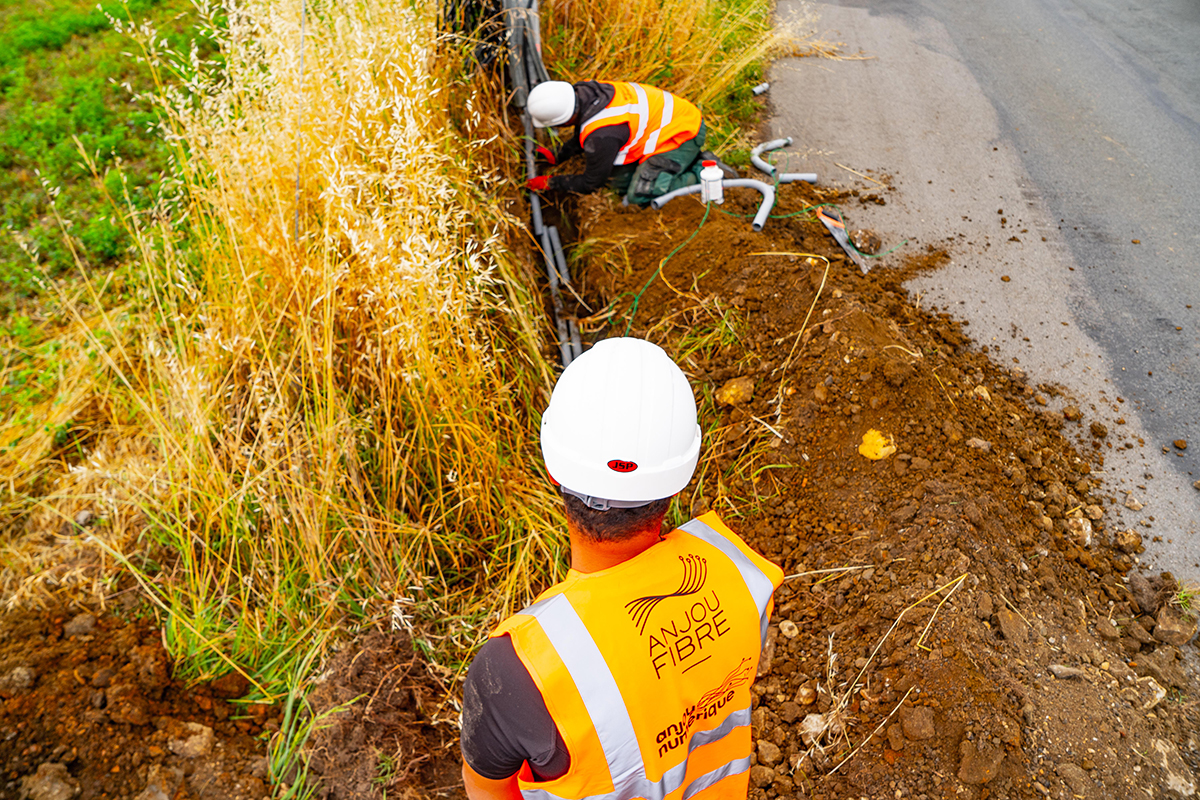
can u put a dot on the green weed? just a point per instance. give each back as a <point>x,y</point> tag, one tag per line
<point>287,756</point>
<point>1186,598</point>
<point>67,86</point>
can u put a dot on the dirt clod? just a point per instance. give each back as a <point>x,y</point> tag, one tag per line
<point>1076,778</point>
<point>1173,627</point>
<point>980,762</point>
<point>196,740</point>
<point>52,781</point>
<point>80,625</point>
<point>389,735</point>
<point>917,723</point>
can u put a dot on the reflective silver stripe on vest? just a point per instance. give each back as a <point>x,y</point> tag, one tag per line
<point>756,580</point>
<point>610,717</point>
<point>720,773</point>
<point>667,113</point>
<point>642,109</point>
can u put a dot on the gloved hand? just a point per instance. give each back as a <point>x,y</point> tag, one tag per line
<point>539,184</point>
<point>547,155</point>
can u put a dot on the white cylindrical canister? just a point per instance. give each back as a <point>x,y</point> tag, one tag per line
<point>711,190</point>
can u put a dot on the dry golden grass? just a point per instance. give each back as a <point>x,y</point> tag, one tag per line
<point>342,422</point>
<point>695,49</point>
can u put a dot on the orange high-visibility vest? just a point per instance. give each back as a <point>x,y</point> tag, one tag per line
<point>658,121</point>
<point>646,668</point>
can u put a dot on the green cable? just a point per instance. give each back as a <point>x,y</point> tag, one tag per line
<point>879,255</point>
<point>638,297</point>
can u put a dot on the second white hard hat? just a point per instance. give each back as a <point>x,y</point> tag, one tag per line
<point>621,425</point>
<point>551,103</point>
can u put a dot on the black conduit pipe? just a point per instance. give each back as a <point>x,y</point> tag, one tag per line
<point>526,70</point>
<point>561,260</point>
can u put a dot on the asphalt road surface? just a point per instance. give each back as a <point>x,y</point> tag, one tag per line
<point>1052,147</point>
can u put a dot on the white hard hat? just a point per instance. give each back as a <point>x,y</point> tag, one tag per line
<point>621,427</point>
<point>551,103</point>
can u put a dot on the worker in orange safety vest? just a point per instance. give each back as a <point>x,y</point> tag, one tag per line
<point>631,678</point>
<point>646,141</point>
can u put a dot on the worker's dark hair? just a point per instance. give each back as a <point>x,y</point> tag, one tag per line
<point>615,524</point>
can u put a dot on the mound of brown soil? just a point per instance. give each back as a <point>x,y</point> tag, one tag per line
<point>959,621</point>
<point>375,704</point>
<point>90,710</point>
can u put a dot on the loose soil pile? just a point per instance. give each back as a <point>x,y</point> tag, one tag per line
<point>90,711</point>
<point>960,621</point>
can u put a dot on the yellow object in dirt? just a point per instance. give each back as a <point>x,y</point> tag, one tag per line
<point>876,446</point>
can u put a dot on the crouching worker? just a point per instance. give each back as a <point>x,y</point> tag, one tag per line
<point>631,678</point>
<point>646,141</point>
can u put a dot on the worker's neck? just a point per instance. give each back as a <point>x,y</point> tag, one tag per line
<point>589,555</point>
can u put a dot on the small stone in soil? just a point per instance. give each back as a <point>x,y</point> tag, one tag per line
<point>983,606</point>
<point>198,743</point>
<point>1075,777</point>
<point>1107,630</point>
<point>103,677</point>
<point>866,241</point>
<point>1011,626</point>
<point>80,625</point>
<point>161,783</point>
<point>126,705</point>
<point>1129,541</point>
<point>52,781</point>
<point>18,679</point>
<point>736,391</point>
<point>1080,530</point>
<point>761,776</point>
<point>769,753</point>
<point>1145,594</point>
<point>811,729</point>
<point>1181,444</point>
<point>1173,628</point>
<point>1063,672</point>
<point>1135,630</point>
<point>979,765</point>
<point>790,711</point>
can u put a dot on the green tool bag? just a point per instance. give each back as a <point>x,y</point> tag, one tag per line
<point>667,171</point>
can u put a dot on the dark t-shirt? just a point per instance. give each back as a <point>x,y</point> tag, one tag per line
<point>505,720</point>
<point>602,145</point>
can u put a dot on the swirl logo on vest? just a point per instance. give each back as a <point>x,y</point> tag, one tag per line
<point>679,641</point>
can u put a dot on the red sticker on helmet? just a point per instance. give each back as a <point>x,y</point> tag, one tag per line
<point>616,465</point>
